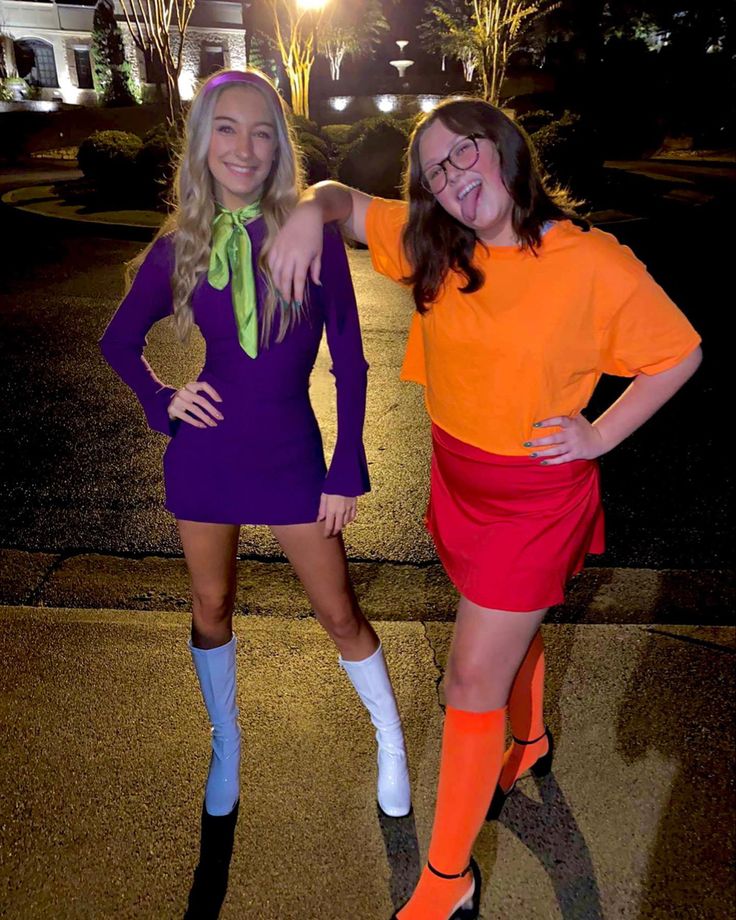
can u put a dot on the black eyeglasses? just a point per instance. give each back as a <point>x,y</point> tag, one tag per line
<point>462,156</point>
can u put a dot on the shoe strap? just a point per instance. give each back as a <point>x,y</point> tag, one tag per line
<point>444,875</point>
<point>533,741</point>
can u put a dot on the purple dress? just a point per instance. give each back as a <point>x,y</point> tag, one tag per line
<point>264,463</point>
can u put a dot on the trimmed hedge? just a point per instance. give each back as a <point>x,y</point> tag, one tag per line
<point>108,158</point>
<point>316,161</point>
<point>373,163</point>
<point>570,152</point>
<point>156,160</point>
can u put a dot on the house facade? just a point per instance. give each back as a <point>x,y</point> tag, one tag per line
<point>49,45</point>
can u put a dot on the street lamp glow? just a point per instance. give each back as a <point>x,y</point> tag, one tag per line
<point>340,103</point>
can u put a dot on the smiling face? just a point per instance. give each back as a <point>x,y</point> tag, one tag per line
<point>243,146</point>
<point>477,196</point>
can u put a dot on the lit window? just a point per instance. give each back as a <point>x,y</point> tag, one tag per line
<point>35,62</point>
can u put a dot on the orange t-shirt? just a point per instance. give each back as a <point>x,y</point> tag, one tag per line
<point>533,342</point>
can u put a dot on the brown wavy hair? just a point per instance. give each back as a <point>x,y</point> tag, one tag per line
<point>435,242</point>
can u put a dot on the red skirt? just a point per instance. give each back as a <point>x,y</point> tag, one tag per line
<point>510,532</point>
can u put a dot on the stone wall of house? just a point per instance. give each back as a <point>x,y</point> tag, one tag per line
<point>232,44</point>
<point>42,21</point>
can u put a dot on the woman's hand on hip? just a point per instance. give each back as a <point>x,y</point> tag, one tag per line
<point>297,250</point>
<point>190,406</point>
<point>337,511</point>
<point>578,439</point>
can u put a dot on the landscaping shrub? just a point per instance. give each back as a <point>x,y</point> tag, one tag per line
<point>316,162</point>
<point>337,134</point>
<point>534,121</point>
<point>108,158</point>
<point>569,151</point>
<point>304,125</point>
<point>156,160</point>
<point>374,161</point>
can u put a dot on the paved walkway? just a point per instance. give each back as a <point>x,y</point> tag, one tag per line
<point>105,753</point>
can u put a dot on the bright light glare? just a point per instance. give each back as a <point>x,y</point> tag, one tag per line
<point>186,82</point>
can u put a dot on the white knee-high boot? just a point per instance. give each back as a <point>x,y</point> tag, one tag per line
<point>216,671</point>
<point>370,678</point>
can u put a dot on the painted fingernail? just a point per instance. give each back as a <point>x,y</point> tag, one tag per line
<point>527,444</point>
<point>537,425</point>
<point>543,463</point>
<point>535,454</point>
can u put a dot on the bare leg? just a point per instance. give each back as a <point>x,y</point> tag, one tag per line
<point>210,551</point>
<point>321,565</point>
<point>487,648</point>
<point>322,568</point>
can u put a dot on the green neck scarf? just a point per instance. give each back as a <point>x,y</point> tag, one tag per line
<point>231,252</point>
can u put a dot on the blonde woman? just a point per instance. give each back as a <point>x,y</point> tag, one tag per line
<point>245,447</point>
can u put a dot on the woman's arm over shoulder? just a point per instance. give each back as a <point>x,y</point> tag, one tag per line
<point>297,250</point>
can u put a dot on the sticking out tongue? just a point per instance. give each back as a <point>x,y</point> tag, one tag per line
<point>469,205</point>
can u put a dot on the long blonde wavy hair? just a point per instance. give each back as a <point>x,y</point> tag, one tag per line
<point>194,204</point>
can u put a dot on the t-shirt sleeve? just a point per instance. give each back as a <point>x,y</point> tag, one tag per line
<point>644,331</point>
<point>414,367</point>
<point>384,226</point>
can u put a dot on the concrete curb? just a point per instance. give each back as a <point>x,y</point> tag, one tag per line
<point>387,591</point>
<point>14,198</point>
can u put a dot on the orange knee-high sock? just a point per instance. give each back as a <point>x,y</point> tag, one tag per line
<point>472,751</point>
<point>526,715</point>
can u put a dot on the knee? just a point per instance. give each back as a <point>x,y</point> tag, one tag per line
<point>340,618</point>
<point>212,606</point>
<point>473,685</point>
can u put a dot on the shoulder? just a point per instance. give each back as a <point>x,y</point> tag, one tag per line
<point>603,252</point>
<point>388,211</point>
<point>161,253</point>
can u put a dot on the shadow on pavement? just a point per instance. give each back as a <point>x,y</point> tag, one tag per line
<point>680,704</point>
<point>402,854</point>
<point>551,833</point>
<point>209,887</point>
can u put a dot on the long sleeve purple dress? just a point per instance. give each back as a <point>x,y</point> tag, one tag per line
<point>264,464</point>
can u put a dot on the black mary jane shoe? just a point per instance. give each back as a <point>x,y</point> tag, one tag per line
<point>539,768</point>
<point>467,910</point>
